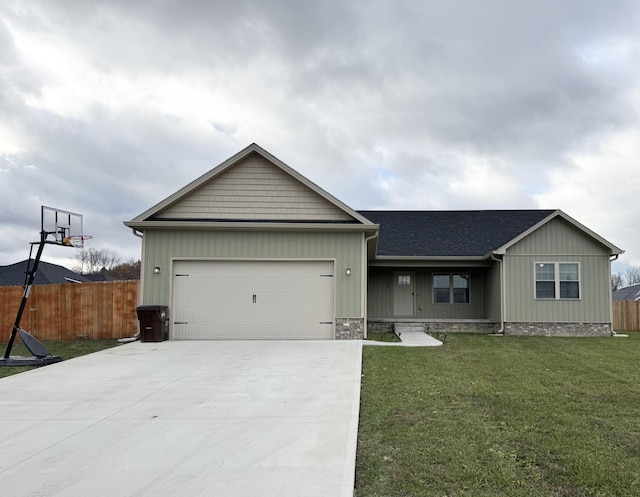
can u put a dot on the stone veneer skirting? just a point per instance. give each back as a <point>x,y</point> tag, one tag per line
<point>349,328</point>
<point>559,329</point>
<point>440,326</point>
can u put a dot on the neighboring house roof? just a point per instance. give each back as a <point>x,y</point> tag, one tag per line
<point>47,273</point>
<point>627,293</point>
<point>461,233</point>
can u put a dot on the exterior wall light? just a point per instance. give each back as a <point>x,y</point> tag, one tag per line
<point>156,270</point>
<point>348,271</point>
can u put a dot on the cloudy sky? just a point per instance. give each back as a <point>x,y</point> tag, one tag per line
<point>107,107</point>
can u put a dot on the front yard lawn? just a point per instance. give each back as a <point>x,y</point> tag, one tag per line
<point>501,416</point>
<point>65,349</point>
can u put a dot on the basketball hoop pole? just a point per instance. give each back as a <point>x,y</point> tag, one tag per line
<point>66,228</point>
<point>31,274</point>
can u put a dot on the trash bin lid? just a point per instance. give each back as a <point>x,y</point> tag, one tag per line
<point>152,308</point>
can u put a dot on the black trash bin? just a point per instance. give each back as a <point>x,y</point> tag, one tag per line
<point>154,323</point>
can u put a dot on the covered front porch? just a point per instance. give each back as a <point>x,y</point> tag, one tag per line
<point>444,297</point>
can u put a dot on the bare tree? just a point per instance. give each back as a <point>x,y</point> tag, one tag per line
<point>129,270</point>
<point>617,281</point>
<point>633,275</point>
<point>94,261</point>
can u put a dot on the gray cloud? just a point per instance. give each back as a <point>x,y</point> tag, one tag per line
<point>384,104</point>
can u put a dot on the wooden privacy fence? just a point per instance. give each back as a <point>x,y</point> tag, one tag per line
<point>100,310</point>
<point>626,315</point>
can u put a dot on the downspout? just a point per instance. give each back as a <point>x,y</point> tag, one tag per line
<point>612,258</point>
<point>365,280</point>
<point>136,336</point>
<point>503,305</point>
<point>140,234</point>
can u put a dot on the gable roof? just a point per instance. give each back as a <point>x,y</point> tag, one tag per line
<point>47,274</point>
<point>474,234</point>
<point>627,293</point>
<point>281,181</point>
<point>559,214</point>
<point>450,233</point>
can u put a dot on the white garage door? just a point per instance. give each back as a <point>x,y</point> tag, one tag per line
<point>253,299</point>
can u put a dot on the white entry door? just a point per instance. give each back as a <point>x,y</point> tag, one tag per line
<point>253,300</point>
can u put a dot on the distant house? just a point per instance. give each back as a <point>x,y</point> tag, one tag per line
<point>627,293</point>
<point>47,274</point>
<point>253,249</point>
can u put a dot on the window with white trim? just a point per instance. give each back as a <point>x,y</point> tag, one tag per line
<point>451,288</point>
<point>557,280</point>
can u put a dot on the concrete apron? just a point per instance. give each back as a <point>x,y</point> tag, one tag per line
<point>194,418</point>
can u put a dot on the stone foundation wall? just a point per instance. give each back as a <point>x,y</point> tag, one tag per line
<point>379,326</point>
<point>462,327</point>
<point>558,329</point>
<point>441,326</point>
<point>349,328</point>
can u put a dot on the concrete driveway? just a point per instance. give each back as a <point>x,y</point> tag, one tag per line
<point>203,418</point>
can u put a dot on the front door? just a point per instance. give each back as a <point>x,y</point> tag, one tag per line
<point>404,293</point>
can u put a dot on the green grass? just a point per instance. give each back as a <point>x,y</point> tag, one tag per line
<point>509,416</point>
<point>66,350</point>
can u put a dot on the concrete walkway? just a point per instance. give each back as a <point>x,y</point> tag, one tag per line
<point>227,418</point>
<point>409,339</point>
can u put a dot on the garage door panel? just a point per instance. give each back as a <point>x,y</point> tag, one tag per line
<point>253,299</point>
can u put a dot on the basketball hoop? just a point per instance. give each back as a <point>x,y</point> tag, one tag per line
<point>76,241</point>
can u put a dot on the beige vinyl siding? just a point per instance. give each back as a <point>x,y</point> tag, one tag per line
<point>558,241</point>
<point>161,247</point>
<point>380,295</point>
<point>254,189</point>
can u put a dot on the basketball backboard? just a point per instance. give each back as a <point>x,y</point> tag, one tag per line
<point>58,226</point>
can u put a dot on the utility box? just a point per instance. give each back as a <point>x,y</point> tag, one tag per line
<point>154,323</point>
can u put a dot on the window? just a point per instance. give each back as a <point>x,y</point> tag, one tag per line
<point>451,288</point>
<point>404,280</point>
<point>557,280</point>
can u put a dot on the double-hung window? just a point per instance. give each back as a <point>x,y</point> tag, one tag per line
<point>451,288</point>
<point>557,280</point>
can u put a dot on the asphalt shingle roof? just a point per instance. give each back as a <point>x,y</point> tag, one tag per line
<point>14,274</point>
<point>450,233</point>
<point>627,293</point>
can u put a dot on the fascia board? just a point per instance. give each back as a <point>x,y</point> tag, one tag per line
<point>390,261</point>
<point>249,226</point>
<point>558,213</point>
<point>430,258</point>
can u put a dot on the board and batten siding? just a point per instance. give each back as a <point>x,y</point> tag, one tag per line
<point>254,189</point>
<point>161,247</point>
<point>558,241</point>
<point>380,294</point>
<point>492,294</point>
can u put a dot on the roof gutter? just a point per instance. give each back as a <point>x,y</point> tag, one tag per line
<point>247,225</point>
